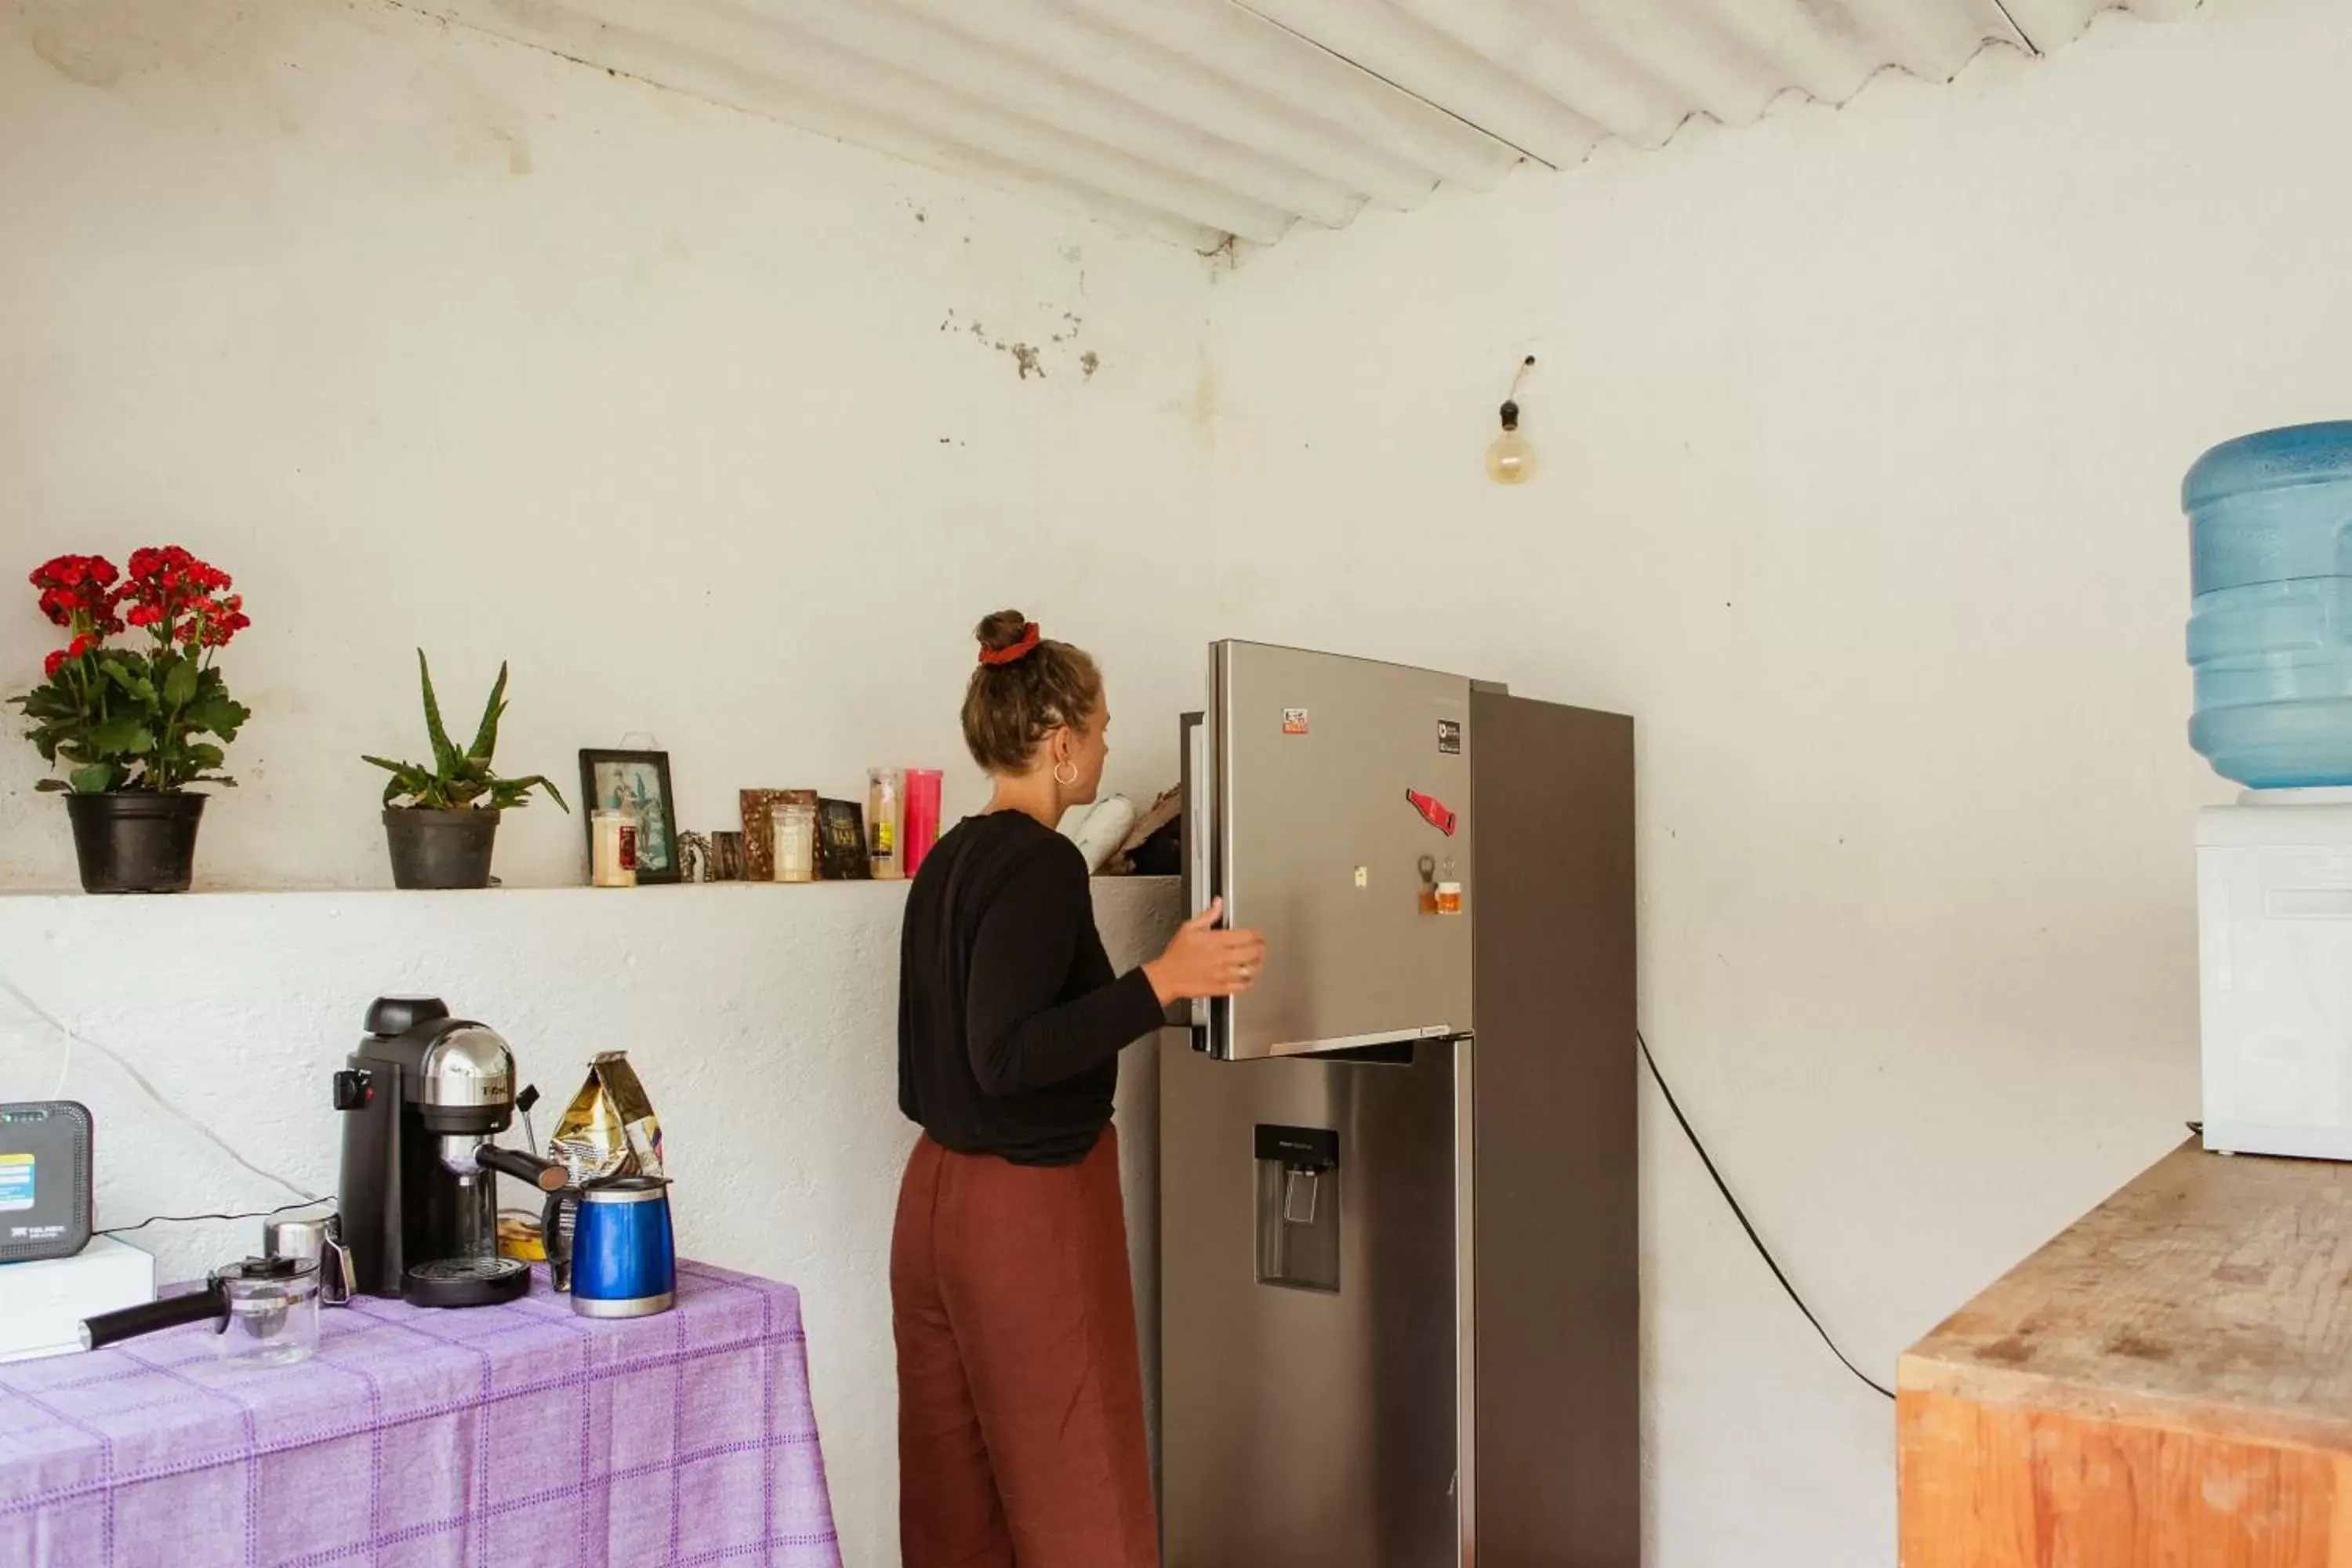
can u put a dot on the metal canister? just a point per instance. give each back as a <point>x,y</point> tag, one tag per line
<point>317,1240</point>
<point>624,1256</point>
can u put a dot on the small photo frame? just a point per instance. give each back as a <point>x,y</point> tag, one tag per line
<point>640,781</point>
<point>841,843</point>
<point>726,857</point>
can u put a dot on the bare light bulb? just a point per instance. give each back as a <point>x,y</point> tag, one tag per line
<point>1509,459</point>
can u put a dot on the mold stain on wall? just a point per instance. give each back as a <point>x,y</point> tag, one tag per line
<point>104,43</point>
<point>77,60</point>
<point>648,269</point>
<point>216,66</point>
<point>472,129</point>
<point>1206,406</point>
<point>1023,356</point>
<point>1032,310</point>
<point>1029,359</point>
<point>204,59</point>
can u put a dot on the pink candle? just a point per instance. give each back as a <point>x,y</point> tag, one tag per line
<point>922,814</point>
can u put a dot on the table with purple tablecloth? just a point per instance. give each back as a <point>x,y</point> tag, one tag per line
<point>520,1436</point>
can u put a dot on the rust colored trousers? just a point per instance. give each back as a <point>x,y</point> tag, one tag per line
<point>1021,1440</point>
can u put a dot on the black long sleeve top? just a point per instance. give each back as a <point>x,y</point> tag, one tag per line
<point>1010,1021</point>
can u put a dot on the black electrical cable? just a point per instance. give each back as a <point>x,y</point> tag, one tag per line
<point>193,1218</point>
<point>1741,1216</point>
<point>2022,36</point>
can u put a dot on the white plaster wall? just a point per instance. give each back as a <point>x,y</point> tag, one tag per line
<point>1861,434</point>
<point>762,1020</point>
<point>713,427</point>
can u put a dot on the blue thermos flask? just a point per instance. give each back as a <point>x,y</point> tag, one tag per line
<point>623,1255</point>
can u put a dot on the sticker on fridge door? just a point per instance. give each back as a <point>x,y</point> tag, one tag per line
<point>15,1182</point>
<point>1433,811</point>
<point>1293,721</point>
<point>1449,737</point>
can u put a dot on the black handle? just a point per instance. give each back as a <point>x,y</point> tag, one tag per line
<point>195,1307</point>
<point>551,1237</point>
<point>544,1174</point>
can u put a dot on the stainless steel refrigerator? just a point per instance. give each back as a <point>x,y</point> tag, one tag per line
<point>1398,1235</point>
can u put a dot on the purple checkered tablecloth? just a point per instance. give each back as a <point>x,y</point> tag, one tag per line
<point>513,1436</point>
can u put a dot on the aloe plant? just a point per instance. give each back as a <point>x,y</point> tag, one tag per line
<point>458,781</point>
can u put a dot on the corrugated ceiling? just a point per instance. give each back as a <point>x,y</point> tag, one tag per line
<point>1197,120</point>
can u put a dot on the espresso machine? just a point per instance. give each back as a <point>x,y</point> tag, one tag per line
<point>423,1098</point>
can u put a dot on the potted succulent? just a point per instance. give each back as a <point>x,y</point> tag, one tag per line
<point>441,821</point>
<point>128,725</point>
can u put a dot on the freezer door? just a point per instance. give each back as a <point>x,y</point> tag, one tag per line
<point>1338,809</point>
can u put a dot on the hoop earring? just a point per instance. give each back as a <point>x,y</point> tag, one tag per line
<point>1065,783</point>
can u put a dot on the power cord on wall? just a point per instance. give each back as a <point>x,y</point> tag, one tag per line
<point>306,1199</point>
<point>71,1039</point>
<point>193,1218</point>
<point>1741,1216</point>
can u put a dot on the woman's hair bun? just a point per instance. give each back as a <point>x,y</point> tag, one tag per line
<point>1000,631</point>
<point>1026,686</point>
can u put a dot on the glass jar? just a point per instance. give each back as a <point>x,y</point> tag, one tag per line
<point>886,822</point>
<point>613,847</point>
<point>922,817</point>
<point>793,827</point>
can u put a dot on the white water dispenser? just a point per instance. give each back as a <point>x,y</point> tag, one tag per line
<point>2274,944</point>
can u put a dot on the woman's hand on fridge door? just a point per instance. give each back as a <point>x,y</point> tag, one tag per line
<point>1203,960</point>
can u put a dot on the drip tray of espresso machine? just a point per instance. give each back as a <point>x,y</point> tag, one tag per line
<point>466,1281</point>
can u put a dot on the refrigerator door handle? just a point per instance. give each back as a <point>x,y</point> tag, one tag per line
<point>1200,844</point>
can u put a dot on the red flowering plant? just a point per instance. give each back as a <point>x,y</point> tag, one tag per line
<point>115,717</point>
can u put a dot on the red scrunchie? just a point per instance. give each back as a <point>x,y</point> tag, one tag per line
<point>996,657</point>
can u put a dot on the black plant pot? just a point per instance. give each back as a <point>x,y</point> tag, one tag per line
<point>440,848</point>
<point>137,841</point>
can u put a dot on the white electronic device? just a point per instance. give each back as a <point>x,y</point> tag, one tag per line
<point>2274,945</point>
<point>42,1303</point>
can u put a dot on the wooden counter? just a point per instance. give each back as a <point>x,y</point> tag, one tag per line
<point>2169,1382</point>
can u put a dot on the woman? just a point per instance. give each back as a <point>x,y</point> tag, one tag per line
<point>1020,1402</point>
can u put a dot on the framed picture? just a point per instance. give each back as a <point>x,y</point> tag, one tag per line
<point>638,781</point>
<point>841,842</point>
<point>726,857</point>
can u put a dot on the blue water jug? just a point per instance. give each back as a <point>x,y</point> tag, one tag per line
<point>2270,625</point>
